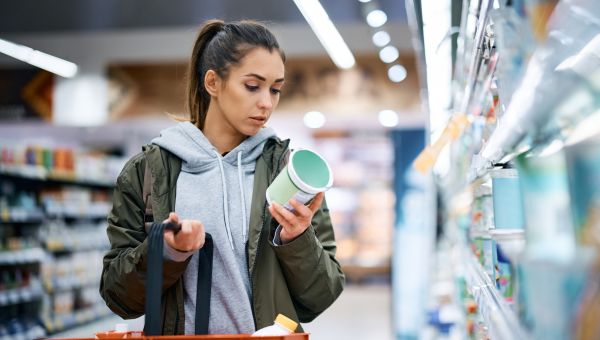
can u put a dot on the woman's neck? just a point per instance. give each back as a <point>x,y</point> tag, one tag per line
<point>220,133</point>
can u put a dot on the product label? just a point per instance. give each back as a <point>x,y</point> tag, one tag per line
<point>299,196</point>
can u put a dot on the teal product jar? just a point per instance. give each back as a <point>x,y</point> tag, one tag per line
<point>507,199</point>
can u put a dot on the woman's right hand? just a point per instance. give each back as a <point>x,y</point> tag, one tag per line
<point>189,238</point>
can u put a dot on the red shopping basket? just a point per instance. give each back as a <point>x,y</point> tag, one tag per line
<point>139,336</point>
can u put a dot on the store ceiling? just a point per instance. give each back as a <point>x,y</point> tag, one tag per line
<point>51,16</point>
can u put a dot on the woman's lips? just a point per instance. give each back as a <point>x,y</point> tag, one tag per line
<point>258,120</point>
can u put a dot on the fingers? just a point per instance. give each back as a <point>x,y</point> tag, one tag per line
<point>275,210</point>
<point>173,218</point>
<point>190,237</point>
<point>316,202</point>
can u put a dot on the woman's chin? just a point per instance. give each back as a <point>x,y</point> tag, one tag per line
<point>251,130</point>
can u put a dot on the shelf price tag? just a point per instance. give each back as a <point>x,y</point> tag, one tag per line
<point>429,155</point>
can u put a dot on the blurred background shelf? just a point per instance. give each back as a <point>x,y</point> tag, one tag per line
<point>500,318</point>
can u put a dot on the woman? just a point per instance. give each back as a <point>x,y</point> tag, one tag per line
<point>210,176</point>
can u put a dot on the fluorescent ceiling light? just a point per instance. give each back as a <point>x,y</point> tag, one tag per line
<point>389,54</point>
<point>388,118</point>
<point>328,35</point>
<point>376,18</point>
<point>314,119</point>
<point>381,38</point>
<point>397,73</point>
<point>39,59</point>
<point>364,1</point>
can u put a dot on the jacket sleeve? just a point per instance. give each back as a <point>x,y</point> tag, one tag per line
<point>122,284</point>
<point>313,275</point>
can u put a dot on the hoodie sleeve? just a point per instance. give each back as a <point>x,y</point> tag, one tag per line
<point>122,285</point>
<point>313,274</point>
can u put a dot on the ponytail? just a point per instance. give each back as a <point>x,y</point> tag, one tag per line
<point>197,97</point>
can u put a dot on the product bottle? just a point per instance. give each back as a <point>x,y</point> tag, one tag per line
<point>282,326</point>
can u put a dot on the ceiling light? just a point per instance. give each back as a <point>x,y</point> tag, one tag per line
<point>328,35</point>
<point>381,38</point>
<point>376,18</point>
<point>39,59</point>
<point>388,118</point>
<point>314,119</point>
<point>397,73</point>
<point>364,1</point>
<point>389,54</point>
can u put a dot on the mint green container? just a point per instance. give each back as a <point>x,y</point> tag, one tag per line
<point>305,175</point>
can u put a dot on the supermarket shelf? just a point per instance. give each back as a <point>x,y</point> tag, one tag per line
<point>61,284</point>
<point>37,174</point>
<point>13,216</point>
<point>79,216</point>
<point>15,296</point>
<point>23,256</point>
<point>59,323</point>
<point>358,273</point>
<point>59,246</point>
<point>501,320</point>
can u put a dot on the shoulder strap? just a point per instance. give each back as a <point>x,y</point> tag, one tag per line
<point>147,194</point>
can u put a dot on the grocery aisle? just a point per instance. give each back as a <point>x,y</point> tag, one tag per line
<point>361,313</point>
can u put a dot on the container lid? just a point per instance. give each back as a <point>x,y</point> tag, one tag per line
<point>286,322</point>
<point>309,171</point>
<point>504,173</point>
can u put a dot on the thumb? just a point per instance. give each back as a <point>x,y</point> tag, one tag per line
<point>174,218</point>
<point>316,202</point>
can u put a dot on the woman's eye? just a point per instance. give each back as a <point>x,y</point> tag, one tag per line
<point>275,91</point>
<point>251,88</point>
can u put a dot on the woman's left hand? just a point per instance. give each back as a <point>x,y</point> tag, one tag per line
<point>293,224</point>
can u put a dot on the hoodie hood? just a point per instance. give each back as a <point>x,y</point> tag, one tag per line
<point>206,165</point>
<point>187,142</point>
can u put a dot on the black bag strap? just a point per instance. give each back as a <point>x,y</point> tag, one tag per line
<point>205,263</point>
<point>153,322</point>
<point>154,276</point>
<point>147,194</point>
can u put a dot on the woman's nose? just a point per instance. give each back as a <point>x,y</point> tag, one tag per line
<point>265,101</point>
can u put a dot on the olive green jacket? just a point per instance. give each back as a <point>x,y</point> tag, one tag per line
<point>299,279</point>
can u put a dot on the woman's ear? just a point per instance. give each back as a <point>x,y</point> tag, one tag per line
<point>212,82</point>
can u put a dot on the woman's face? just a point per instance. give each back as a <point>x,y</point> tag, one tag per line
<point>251,91</point>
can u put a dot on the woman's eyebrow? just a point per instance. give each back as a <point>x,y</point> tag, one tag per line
<point>259,77</point>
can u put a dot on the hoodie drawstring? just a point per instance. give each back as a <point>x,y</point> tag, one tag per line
<point>225,207</point>
<point>241,181</point>
<point>225,198</point>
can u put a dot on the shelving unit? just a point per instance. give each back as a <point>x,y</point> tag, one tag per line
<point>501,319</point>
<point>52,223</point>
<point>524,127</point>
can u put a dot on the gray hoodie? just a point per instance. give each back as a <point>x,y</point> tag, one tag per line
<point>217,191</point>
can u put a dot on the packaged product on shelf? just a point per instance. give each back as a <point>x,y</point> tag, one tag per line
<point>482,214</point>
<point>514,42</point>
<point>583,163</point>
<point>553,293</point>
<point>503,274</point>
<point>553,93</point>
<point>507,200</point>
<point>583,160</point>
<point>549,233</point>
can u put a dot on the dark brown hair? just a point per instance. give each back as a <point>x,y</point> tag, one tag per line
<point>219,46</point>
